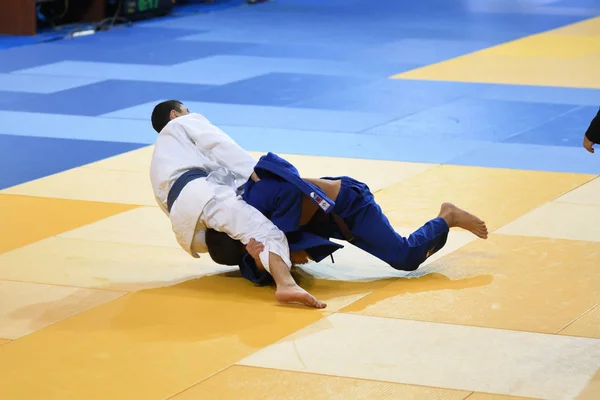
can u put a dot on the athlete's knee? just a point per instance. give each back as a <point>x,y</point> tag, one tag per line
<point>408,258</point>
<point>405,264</point>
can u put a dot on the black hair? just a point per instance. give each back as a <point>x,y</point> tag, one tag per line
<point>223,249</point>
<point>161,112</point>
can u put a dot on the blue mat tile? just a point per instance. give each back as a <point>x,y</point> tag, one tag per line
<point>25,158</point>
<point>455,18</point>
<point>531,157</point>
<point>347,59</point>
<point>541,9</point>
<point>145,53</point>
<point>220,64</point>
<point>566,130</point>
<point>9,41</point>
<point>76,127</point>
<point>300,75</point>
<point>394,96</point>
<point>23,57</point>
<point>588,4</point>
<point>84,69</point>
<point>86,47</point>
<point>210,74</point>
<point>105,97</point>
<point>41,84</point>
<point>473,119</point>
<point>8,98</point>
<point>316,50</point>
<point>269,117</point>
<point>541,94</point>
<point>592,4</point>
<point>389,19</point>
<point>484,22</point>
<point>410,46</point>
<point>370,34</point>
<point>121,37</point>
<point>299,35</point>
<point>278,89</point>
<point>155,53</point>
<point>336,144</point>
<point>425,51</point>
<point>432,30</point>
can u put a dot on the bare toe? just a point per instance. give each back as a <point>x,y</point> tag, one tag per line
<point>457,217</point>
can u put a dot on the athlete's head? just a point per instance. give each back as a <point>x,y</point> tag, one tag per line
<point>165,112</point>
<point>223,249</point>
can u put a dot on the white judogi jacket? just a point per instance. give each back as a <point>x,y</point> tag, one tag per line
<point>189,142</point>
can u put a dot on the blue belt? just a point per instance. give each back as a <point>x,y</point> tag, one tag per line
<point>180,183</point>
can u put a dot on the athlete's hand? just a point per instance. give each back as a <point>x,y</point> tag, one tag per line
<point>254,248</point>
<point>588,144</point>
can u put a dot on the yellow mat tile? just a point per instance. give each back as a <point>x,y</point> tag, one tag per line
<point>92,184</point>
<point>127,177</point>
<point>585,194</point>
<point>354,264</point>
<point>4,341</point>
<point>377,174</point>
<point>102,265</point>
<point>148,226</point>
<point>129,267</point>
<point>29,219</point>
<point>248,383</point>
<point>456,240</point>
<point>232,287</point>
<point>368,171</point>
<point>437,355</point>
<point>143,226</point>
<point>146,345</point>
<point>559,221</point>
<point>587,326</point>
<point>565,55</point>
<point>549,45</point>
<point>28,307</point>
<point>481,67</point>
<point>339,294</point>
<point>133,161</point>
<point>592,390</point>
<point>342,283</point>
<point>509,282</point>
<point>482,191</point>
<point>486,396</point>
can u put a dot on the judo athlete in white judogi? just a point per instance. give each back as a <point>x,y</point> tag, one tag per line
<point>196,172</point>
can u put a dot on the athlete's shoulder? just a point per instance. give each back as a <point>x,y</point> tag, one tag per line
<point>188,121</point>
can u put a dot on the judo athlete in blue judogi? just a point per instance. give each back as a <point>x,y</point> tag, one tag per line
<point>312,211</point>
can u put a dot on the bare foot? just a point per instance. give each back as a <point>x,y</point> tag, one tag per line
<point>295,294</point>
<point>457,217</point>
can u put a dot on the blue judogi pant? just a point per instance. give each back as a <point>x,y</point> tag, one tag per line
<point>373,232</point>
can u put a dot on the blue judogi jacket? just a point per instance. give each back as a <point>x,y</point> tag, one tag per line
<point>278,195</point>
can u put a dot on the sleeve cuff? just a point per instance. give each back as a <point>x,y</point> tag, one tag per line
<point>264,256</point>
